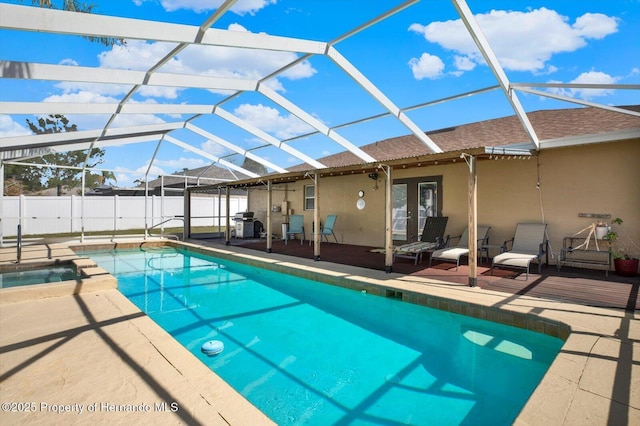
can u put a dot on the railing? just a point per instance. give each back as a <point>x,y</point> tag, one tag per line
<point>163,222</point>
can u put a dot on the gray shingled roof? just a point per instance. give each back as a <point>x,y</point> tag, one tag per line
<point>548,124</point>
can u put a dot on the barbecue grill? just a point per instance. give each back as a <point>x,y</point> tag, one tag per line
<point>244,224</point>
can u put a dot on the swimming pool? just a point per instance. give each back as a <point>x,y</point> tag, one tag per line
<point>30,276</point>
<point>310,353</point>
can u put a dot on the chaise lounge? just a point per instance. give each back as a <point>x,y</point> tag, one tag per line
<point>430,239</point>
<point>528,244</point>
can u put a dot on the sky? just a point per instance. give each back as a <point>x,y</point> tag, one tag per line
<point>418,55</point>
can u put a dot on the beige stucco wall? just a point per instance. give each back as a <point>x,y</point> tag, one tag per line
<point>596,178</point>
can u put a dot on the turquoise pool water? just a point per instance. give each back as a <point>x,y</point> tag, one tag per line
<point>50,274</point>
<point>310,353</point>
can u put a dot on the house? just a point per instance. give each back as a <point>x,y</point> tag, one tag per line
<point>585,169</point>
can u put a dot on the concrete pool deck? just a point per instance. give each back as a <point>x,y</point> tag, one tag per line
<point>92,348</point>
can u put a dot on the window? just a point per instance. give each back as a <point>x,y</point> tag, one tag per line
<point>309,197</point>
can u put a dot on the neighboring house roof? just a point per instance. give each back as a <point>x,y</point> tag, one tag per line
<point>208,175</point>
<point>548,124</point>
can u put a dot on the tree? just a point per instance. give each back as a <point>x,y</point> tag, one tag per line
<point>95,180</point>
<point>66,177</point>
<point>12,187</point>
<point>21,179</point>
<point>76,6</point>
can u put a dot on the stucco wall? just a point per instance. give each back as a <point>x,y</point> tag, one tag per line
<point>597,178</point>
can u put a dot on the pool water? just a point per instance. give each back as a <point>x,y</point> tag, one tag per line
<point>50,274</point>
<point>310,353</point>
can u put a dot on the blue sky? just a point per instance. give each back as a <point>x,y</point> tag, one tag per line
<point>418,55</point>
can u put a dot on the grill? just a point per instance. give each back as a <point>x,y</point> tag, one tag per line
<point>244,224</point>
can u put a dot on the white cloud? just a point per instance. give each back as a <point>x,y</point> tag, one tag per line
<point>214,148</point>
<point>269,120</point>
<point>241,8</point>
<point>97,89</point>
<point>428,66</point>
<point>69,61</point>
<point>130,120</point>
<point>9,127</point>
<point>160,167</point>
<point>591,77</point>
<point>124,179</point>
<point>92,121</point>
<point>463,63</point>
<point>178,164</point>
<point>82,96</point>
<point>225,62</point>
<point>595,25</point>
<point>135,55</point>
<point>522,41</point>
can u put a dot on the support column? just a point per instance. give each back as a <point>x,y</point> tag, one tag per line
<point>82,180</point>
<point>269,203</point>
<point>317,237</point>
<point>388,235</point>
<point>2,214</point>
<point>473,222</point>
<point>227,232</point>
<point>146,212</point>
<point>162,218</point>
<point>186,222</point>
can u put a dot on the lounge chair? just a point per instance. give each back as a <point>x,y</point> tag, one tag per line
<point>296,226</point>
<point>454,253</point>
<point>327,229</point>
<point>529,243</point>
<point>432,238</point>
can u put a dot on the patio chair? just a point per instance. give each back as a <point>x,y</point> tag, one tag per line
<point>296,226</point>
<point>326,230</point>
<point>454,253</point>
<point>529,243</point>
<point>432,238</point>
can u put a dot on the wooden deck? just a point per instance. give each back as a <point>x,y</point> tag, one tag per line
<point>575,285</point>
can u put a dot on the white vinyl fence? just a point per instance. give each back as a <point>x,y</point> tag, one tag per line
<point>38,215</point>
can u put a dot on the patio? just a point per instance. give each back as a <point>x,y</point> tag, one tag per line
<point>575,285</point>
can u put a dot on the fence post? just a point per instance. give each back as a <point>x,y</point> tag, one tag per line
<point>21,209</point>
<point>162,205</point>
<point>115,215</point>
<point>82,207</point>
<point>72,213</point>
